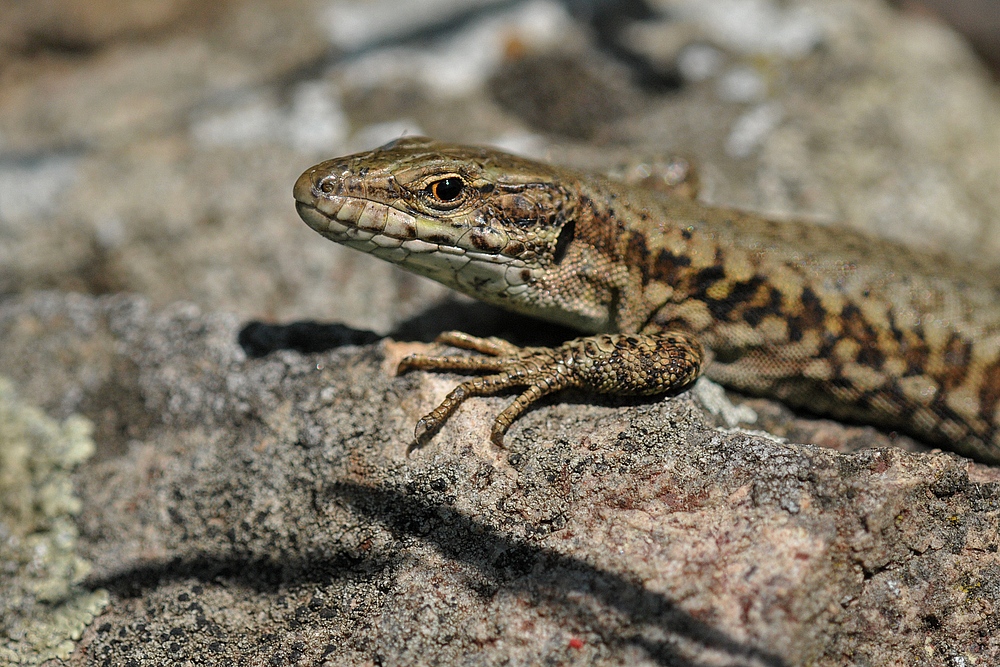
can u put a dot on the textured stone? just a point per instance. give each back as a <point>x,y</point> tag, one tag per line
<point>273,513</point>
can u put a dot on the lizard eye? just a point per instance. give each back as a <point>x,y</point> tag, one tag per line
<point>447,189</point>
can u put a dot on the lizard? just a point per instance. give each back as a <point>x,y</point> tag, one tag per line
<point>835,321</point>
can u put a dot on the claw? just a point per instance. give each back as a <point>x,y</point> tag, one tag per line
<point>424,430</point>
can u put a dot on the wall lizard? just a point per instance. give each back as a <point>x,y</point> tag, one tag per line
<point>825,318</point>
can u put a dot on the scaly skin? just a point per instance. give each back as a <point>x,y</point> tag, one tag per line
<point>820,317</point>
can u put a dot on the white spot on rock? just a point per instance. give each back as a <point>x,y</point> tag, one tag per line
<point>752,128</point>
<point>34,189</point>
<point>757,26</point>
<point>741,84</point>
<point>316,120</point>
<point>697,62</point>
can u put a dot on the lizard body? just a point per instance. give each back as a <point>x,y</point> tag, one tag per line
<point>820,317</point>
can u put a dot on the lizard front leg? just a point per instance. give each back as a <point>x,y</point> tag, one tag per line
<point>614,364</point>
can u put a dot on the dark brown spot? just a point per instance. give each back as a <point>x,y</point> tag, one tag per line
<point>914,350</point>
<point>955,355</point>
<point>667,265</point>
<point>705,279</point>
<point>871,356</point>
<point>811,316</point>
<point>479,241</point>
<point>754,314</point>
<point>744,292</point>
<point>637,254</point>
<point>514,248</point>
<point>440,239</point>
<point>517,208</point>
<point>858,328</point>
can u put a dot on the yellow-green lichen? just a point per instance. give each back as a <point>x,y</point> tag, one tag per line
<point>43,609</point>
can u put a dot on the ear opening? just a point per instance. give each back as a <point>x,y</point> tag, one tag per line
<point>566,235</point>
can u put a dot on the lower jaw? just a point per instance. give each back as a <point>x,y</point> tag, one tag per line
<point>313,217</point>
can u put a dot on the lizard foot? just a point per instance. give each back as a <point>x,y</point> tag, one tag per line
<point>617,364</point>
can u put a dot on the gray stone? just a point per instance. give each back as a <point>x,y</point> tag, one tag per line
<point>272,511</point>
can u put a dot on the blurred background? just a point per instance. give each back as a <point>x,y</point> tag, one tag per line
<point>151,145</point>
<point>977,20</point>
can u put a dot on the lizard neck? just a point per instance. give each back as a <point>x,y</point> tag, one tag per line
<point>655,251</point>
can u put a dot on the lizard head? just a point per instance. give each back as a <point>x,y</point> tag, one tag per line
<point>486,223</point>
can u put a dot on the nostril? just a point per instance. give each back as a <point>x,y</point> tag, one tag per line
<point>326,186</point>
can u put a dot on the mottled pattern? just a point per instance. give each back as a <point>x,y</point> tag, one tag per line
<point>821,317</point>
<point>621,364</point>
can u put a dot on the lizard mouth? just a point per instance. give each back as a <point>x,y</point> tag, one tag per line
<point>375,227</point>
<point>350,219</point>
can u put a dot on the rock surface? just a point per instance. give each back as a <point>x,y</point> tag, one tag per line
<point>268,511</point>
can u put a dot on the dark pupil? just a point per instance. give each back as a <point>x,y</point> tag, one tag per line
<point>447,189</point>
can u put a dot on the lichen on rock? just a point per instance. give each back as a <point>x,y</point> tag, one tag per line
<point>43,608</point>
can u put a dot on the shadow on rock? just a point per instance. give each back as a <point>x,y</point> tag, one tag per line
<point>264,575</point>
<point>654,622</point>
<point>258,339</point>
<point>647,620</point>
